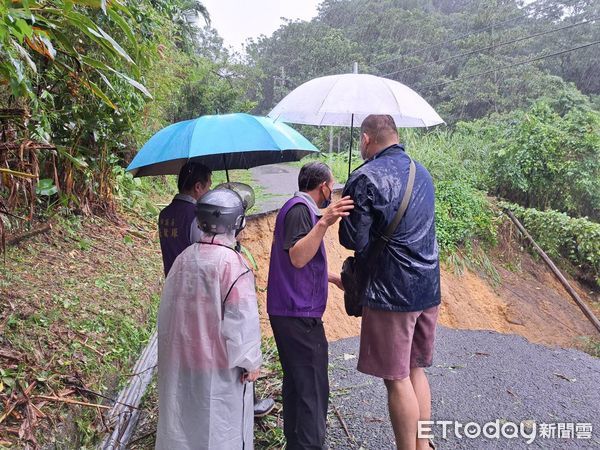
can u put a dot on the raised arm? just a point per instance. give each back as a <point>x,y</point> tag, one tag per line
<point>306,248</point>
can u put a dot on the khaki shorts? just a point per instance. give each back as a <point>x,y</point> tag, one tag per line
<point>392,343</point>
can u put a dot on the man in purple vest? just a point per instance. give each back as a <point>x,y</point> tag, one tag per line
<point>177,222</point>
<point>296,299</point>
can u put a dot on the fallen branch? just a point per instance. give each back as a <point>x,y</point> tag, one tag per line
<point>12,240</point>
<point>142,437</point>
<point>343,422</point>
<point>70,401</point>
<point>30,145</point>
<point>11,355</point>
<point>95,350</point>
<point>97,394</point>
<point>140,373</point>
<point>16,173</point>
<point>138,234</point>
<point>8,412</point>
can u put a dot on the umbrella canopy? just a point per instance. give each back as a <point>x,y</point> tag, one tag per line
<point>347,99</point>
<point>222,142</point>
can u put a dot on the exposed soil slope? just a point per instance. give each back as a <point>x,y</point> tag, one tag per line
<point>528,301</point>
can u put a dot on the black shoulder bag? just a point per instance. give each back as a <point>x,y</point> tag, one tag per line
<point>353,278</point>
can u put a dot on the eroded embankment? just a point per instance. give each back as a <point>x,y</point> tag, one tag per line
<point>528,301</point>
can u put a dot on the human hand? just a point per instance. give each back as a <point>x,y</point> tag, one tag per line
<point>337,280</point>
<point>336,210</point>
<point>250,376</point>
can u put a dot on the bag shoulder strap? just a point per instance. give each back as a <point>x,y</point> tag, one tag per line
<point>389,230</point>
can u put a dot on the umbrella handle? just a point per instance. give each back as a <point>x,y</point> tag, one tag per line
<point>350,150</point>
<point>225,164</point>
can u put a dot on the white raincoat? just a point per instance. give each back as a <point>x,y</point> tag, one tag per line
<point>208,331</point>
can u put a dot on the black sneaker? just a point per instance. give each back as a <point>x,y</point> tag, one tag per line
<point>263,407</point>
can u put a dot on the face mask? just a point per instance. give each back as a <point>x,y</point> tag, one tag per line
<point>325,203</point>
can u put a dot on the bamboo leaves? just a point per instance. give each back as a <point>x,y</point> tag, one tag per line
<point>64,29</point>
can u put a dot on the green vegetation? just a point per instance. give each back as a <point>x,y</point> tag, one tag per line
<point>84,83</point>
<point>592,346</point>
<point>268,431</point>
<point>561,236</point>
<point>463,214</point>
<point>74,316</point>
<point>427,44</point>
<point>536,157</point>
<point>544,160</point>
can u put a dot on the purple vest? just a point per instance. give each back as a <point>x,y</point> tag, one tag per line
<point>291,291</point>
<point>174,224</point>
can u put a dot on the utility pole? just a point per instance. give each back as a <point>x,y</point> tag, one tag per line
<point>281,79</point>
<point>330,139</point>
<point>495,75</point>
<point>496,91</point>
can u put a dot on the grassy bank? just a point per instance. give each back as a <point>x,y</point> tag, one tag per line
<point>76,306</point>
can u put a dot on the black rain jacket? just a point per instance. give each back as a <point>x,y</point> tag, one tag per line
<point>406,274</point>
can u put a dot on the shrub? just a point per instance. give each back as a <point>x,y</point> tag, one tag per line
<point>463,214</point>
<point>543,160</point>
<point>576,239</point>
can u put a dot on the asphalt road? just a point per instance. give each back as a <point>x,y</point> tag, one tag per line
<point>279,182</point>
<point>481,377</point>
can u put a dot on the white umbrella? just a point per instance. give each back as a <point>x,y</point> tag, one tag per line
<point>347,99</point>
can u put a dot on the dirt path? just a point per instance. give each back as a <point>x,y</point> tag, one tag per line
<point>478,376</point>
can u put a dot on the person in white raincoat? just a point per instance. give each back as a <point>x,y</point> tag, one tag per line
<point>209,337</point>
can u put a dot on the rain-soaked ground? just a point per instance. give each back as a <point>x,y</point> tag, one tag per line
<point>279,182</point>
<point>481,377</point>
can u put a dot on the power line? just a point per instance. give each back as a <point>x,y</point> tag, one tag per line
<point>365,7</point>
<point>471,33</point>
<point>519,63</point>
<point>490,47</point>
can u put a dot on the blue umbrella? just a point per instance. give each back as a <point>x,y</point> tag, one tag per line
<point>222,142</point>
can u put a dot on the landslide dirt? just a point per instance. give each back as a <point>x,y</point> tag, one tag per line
<point>528,301</point>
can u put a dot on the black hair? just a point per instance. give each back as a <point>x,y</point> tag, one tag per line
<point>192,173</point>
<point>313,174</point>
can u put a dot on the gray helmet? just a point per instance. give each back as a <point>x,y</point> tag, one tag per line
<point>220,211</point>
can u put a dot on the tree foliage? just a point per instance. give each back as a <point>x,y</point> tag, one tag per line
<point>541,159</point>
<point>428,45</point>
<point>93,80</point>
<point>575,239</point>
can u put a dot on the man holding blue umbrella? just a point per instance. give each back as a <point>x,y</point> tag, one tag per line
<point>177,224</point>
<point>221,142</point>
